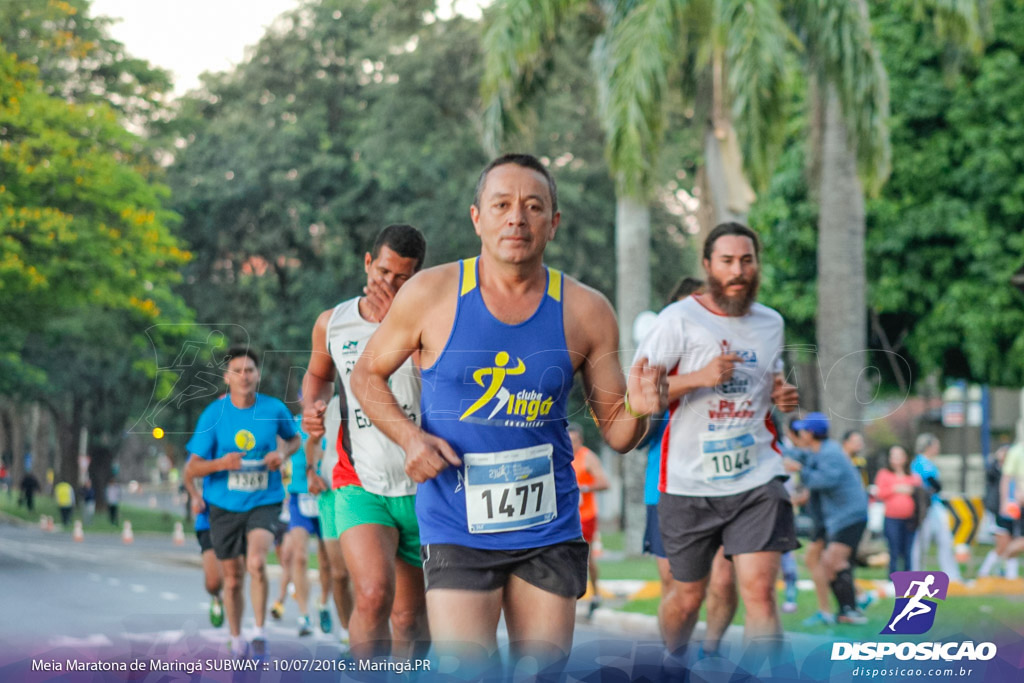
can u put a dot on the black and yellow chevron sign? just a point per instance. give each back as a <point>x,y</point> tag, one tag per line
<point>965,516</point>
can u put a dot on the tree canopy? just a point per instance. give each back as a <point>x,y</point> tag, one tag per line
<point>943,236</point>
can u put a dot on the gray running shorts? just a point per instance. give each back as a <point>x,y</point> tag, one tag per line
<point>693,527</point>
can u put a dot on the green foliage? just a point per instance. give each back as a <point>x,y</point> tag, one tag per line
<point>89,257</point>
<point>634,83</point>
<point>78,223</point>
<point>287,168</point>
<point>349,117</point>
<point>561,126</point>
<point>519,37</point>
<point>944,237</point>
<point>554,101</point>
<point>785,218</point>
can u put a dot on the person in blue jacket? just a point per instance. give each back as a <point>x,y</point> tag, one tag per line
<point>833,480</point>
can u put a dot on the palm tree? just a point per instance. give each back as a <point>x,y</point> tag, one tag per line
<point>850,103</point>
<point>639,56</point>
<point>643,50</point>
<point>849,99</point>
<point>647,44</point>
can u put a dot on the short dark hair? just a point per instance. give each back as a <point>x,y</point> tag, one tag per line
<point>239,350</point>
<point>849,433</point>
<point>576,428</point>
<point>404,240</point>
<point>731,228</point>
<point>526,161</point>
<point>684,288</point>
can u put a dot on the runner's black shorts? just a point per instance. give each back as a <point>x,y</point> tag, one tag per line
<point>849,535</point>
<point>1009,525</point>
<point>693,527</point>
<point>560,568</point>
<point>205,543</point>
<point>229,530</point>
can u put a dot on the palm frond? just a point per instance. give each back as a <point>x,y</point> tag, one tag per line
<point>838,40</point>
<point>755,39</point>
<point>956,21</point>
<point>632,67</point>
<point>516,42</point>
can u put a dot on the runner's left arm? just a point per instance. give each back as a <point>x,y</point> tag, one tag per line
<point>607,391</point>
<point>784,395</point>
<point>288,441</point>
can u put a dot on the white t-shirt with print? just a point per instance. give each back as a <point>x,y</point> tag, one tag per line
<point>720,441</point>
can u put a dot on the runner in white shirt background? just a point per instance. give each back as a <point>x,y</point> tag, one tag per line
<point>721,471</point>
<point>372,498</point>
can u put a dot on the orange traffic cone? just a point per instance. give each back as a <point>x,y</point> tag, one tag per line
<point>126,534</point>
<point>179,534</point>
<point>77,534</point>
<point>49,523</point>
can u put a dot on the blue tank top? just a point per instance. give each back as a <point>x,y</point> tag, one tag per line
<point>499,394</point>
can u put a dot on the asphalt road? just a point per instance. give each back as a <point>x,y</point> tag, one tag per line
<point>100,603</point>
<point>102,600</point>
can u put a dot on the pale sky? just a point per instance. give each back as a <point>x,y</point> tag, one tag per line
<point>188,37</point>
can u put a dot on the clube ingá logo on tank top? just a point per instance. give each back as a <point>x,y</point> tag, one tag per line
<point>526,408</point>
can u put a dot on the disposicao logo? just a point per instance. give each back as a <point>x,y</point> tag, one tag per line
<point>914,613</point>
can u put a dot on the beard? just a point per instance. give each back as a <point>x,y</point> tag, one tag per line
<point>734,305</point>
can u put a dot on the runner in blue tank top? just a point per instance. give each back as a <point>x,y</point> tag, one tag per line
<point>498,339</point>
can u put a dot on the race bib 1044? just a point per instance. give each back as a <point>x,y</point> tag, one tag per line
<point>509,490</point>
<point>728,454</point>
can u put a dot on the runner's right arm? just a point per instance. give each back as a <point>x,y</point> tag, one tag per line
<point>196,500</point>
<point>198,466</point>
<point>711,375</point>
<point>665,344</point>
<point>595,468</point>
<point>317,389</point>
<point>398,336</point>
<point>318,382</point>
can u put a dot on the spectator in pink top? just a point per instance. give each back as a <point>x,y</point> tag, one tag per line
<point>896,489</point>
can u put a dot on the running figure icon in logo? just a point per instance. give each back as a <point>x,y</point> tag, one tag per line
<point>914,612</point>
